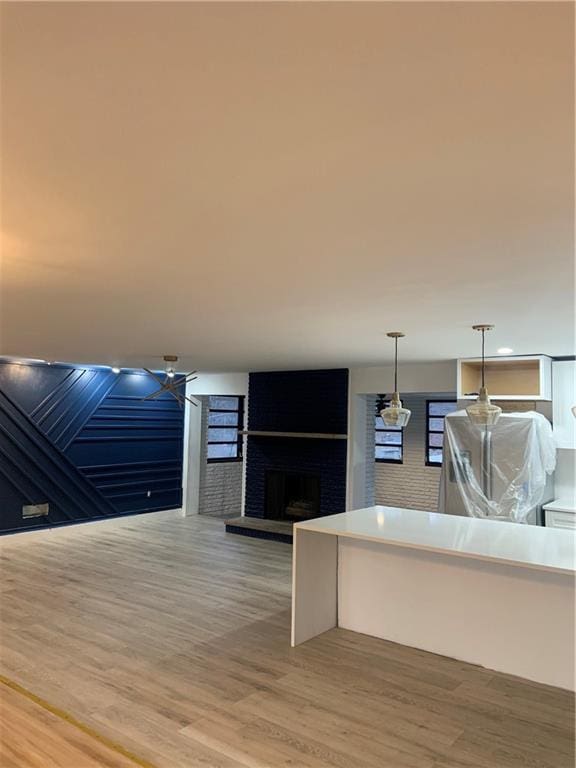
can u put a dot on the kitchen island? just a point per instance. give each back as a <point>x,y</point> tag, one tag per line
<point>492,593</point>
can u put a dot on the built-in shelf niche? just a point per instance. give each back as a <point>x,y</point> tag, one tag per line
<point>507,378</point>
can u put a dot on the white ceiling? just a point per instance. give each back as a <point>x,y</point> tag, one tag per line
<point>255,186</point>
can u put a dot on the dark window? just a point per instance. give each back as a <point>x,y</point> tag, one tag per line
<point>225,420</point>
<point>388,441</point>
<point>436,410</point>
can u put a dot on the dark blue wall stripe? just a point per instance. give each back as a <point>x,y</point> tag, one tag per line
<point>31,460</point>
<point>83,440</point>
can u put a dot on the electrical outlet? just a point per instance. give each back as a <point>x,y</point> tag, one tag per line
<point>35,510</point>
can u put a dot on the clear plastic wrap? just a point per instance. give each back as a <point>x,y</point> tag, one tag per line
<point>498,472</point>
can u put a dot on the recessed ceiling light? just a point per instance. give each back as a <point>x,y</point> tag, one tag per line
<point>505,351</point>
<point>115,369</point>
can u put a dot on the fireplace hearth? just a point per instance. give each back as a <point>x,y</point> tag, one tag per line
<point>292,496</point>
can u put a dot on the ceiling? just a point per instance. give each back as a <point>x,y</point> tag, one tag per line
<point>258,186</point>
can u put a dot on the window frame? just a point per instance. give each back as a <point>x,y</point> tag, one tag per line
<point>427,446</point>
<point>239,426</point>
<point>381,403</point>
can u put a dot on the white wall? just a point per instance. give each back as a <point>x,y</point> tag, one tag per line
<point>412,377</point>
<point>205,384</point>
<point>357,495</point>
<point>565,475</point>
<point>564,393</point>
<point>219,384</point>
<point>192,458</point>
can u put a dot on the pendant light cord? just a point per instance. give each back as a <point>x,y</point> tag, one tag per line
<point>483,337</point>
<point>396,364</point>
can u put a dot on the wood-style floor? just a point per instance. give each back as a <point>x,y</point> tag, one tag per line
<point>33,736</point>
<point>169,637</point>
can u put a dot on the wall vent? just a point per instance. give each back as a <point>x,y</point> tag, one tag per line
<point>35,510</point>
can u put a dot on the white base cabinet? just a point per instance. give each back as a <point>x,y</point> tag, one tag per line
<point>560,514</point>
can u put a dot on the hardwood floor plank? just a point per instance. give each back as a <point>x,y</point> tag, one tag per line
<point>509,752</point>
<point>487,698</point>
<point>344,732</point>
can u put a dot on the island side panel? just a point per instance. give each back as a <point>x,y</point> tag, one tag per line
<point>314,584</point>
<point>507,618</point>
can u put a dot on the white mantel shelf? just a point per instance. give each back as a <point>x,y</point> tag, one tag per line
<point>313,435</point>
<point>493,593</point>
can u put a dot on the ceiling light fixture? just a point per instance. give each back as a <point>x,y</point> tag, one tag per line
<point>483,413</point>
<point>394,415</point>
<point>172,385</point>
<point>169,369</point>
<point>505,351</point>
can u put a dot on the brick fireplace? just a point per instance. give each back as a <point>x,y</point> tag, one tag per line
<point>292,495</point>
<point>297,444</point>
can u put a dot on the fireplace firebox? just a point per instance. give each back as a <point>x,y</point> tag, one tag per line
<point>292,496</point>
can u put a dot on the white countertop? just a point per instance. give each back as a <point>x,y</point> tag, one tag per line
<point>561,505</point>
<point>529,546</point>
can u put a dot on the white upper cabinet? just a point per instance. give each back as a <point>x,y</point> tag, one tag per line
<point>564,398</point>
<point>507,378</point>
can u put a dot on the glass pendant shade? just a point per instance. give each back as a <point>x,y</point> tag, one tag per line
<point>394,415</point>
<point>483,413</point>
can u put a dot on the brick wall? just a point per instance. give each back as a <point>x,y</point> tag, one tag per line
<point>220,482</point>
<point>411,484</point>
<point>325,458</point>
<point>299,401</point>
<point>221,490</point>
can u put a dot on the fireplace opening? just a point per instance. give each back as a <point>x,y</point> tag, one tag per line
<point>292,496</point>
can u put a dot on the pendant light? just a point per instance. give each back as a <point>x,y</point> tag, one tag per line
<point>483,413</point>
<point>394,415</point>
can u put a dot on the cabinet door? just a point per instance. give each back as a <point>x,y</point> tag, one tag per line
<point>563,398</point>
<point>560,520</point>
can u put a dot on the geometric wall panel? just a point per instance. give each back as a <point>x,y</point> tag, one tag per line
<point>82,440</point>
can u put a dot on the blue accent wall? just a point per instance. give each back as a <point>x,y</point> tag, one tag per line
<point>298,401</point>
<point>84,440</point>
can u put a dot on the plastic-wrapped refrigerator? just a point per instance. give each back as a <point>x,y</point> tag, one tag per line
<point>501,472</point>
